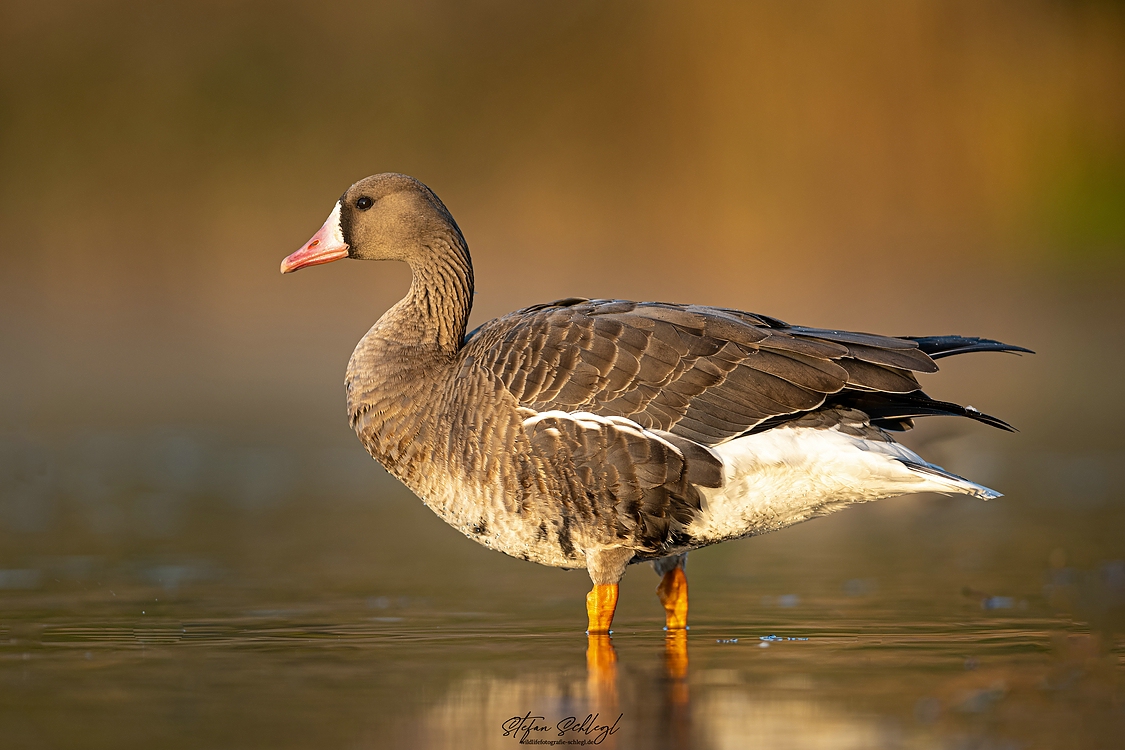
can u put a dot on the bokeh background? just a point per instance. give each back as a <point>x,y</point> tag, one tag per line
<point>171,407</point>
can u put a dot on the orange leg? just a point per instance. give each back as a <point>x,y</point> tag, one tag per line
<point>600,605</point>
<point>673,595</point>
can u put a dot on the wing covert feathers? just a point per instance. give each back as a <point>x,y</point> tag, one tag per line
<point>703,373</point>
<point>649,478</point>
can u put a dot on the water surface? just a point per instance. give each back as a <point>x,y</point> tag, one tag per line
<point>346,620</point>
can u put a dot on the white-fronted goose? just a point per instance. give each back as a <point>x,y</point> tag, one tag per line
<point>598,433</point>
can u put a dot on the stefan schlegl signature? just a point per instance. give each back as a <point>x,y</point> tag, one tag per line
<point>529,731</point>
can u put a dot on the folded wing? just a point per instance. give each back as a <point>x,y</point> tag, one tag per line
<point>707,374</point>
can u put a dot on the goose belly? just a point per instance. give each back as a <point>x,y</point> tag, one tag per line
<point>486,513</point>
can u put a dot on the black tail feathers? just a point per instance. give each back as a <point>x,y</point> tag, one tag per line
<point>946,346</point>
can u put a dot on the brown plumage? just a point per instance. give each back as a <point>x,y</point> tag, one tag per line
<point>592,433</point>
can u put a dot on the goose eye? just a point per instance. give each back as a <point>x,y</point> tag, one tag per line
<point>364,203</point>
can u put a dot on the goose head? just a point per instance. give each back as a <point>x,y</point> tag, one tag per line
<point>382,217</point>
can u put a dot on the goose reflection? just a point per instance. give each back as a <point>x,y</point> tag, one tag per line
<point>601,670</point>
<point>602,684</point>
<point>647,693</point>
<point>676,667</point>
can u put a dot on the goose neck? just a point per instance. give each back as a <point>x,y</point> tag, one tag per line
<point>436,309</point>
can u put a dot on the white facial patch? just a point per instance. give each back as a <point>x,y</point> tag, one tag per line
<point>332,223</point>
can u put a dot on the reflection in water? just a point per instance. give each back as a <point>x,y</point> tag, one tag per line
<point>485,709</point>
<point>601,673</point>
<point>735,718</point>
<point>732,711</point>
<point>601,677</point>
<point>677,709</point>
<point>857,684</point>
<point>205,674</point>
<point>676,666</point>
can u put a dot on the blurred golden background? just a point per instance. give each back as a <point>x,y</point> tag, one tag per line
<point>171,407</point>
<point>903,167</point>
<point>906,168</point>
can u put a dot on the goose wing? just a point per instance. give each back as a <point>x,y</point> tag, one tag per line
<point>636,393</point>
<point>703,373</point>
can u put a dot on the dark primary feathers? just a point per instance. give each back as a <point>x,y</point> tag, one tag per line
<point>946,346</point>
<point>704,373</point>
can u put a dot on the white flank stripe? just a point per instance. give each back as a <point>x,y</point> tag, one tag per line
<point>591,421</point>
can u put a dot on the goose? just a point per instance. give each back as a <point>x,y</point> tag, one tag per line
<point>597,433</point>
